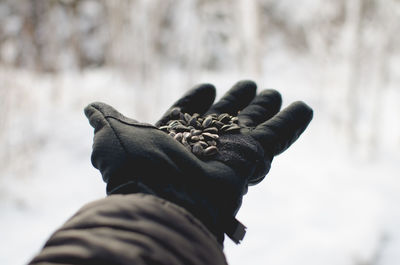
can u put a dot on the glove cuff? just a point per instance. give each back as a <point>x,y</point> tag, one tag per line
<point>206,213</point>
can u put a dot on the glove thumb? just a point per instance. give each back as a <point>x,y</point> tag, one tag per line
<point>108,152</point>
<point>98,112</point>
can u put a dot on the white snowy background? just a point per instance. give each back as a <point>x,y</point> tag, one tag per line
<point>330,199</point>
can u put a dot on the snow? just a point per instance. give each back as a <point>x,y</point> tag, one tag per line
<point>321,203</point>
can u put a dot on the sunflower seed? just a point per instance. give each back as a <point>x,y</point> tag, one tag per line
<point>186,135</point>
<point>203,144</point>
<point>195,132</point>
<point>224,117</point>
<point>211,130</point>
<point>193,121</point>
<point>195,138</point>
<point>211,150</point>
<point>187,117</point>
<point>217,124</point>
<point>186,144</point>
<point>235,120</point>
<point>225,127</point>
<point>164,128</point>
<point>175,112</point>
<point>171,122</point>
<point>172,134</point>
<point>233,128</point>
<point>212,143</point>
<point>174,124</point>
<point>182,128</point>
<point>178,137</point>
<point>197,149</point>
<point>207,122</point>
<point>210,136</point>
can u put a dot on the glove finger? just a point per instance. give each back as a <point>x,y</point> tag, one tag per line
<point>264,106</point>
<point>279,132</point>
<point>238,97</point>
<point>197,100</point>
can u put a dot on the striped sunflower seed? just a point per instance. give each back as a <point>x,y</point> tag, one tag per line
<point>174,124</point>
<point>211,130</point>
<point>207,122</point>
<point>185,142</point>
<point>178,137</point>
<point>224,118</point>
<point>175,112</point>
<point>211,150</point>
<point>212,143</point>
<point>217,124</point>
<point>187,117</point>
<point>233,128</point>
<point>186,135</point>
<point>203,144</point>
<point>196,132</point>
<point>210,136</point>
<point>195,138</point>
<point>225,127</point>
<point>164,128</point>
<point>235,120</point>
<point>193,122</point>
<point>181,128</point>
<point>197,149</point>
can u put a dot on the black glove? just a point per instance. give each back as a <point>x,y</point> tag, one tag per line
<point>138,157</point>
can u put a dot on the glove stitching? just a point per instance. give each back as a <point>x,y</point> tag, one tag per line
<point>139,124</point>
<point>112,128</point>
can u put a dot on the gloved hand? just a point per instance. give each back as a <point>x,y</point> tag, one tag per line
<point>138,157</point>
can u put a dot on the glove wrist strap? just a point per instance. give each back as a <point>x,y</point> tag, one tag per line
<point>235,230</point>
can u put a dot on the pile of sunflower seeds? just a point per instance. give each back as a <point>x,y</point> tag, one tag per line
<point>197,133</point>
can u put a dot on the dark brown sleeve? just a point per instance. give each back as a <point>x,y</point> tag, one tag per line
<point>131,229</point>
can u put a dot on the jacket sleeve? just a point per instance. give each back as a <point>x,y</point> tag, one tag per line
<point>131,229</point>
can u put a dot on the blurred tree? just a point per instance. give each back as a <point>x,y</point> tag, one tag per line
<point>352,44</point>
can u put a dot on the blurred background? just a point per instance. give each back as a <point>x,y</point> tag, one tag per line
<point>331,199</point>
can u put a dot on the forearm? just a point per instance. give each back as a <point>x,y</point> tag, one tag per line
<point>131,229</point>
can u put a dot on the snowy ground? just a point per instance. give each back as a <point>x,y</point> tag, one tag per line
<point>320,204</point>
